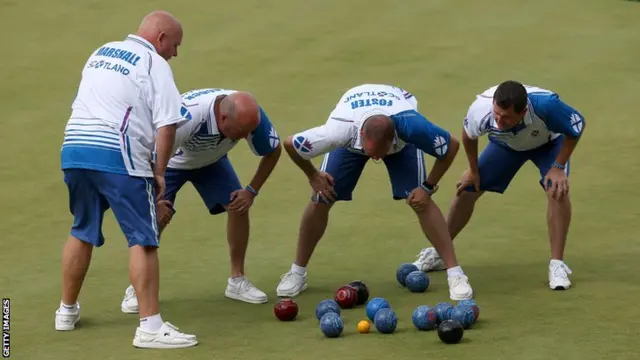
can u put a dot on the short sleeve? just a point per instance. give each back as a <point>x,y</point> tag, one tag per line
<point>166,102</point>
<point>264,139</point>
<point>413,128</point>
<point>478,118</point>
<point>559,117</point>
<point>335,133</point>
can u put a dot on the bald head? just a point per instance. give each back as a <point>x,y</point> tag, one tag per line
<point>163,31</point>
<point>378,132</point>
<point>240,113</point>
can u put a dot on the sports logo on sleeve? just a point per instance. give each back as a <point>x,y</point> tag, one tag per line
<point>440,145</point>
<point>576,123</point>
<point>274,140</point>
<point>184,112</point>
<point>302,144</point>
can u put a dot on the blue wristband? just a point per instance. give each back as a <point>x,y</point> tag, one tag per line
<point>251,190</point>
<point>558,166</point>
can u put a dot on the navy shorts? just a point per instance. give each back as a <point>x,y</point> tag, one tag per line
<point>132,200</point>
<point>406,171</point>
<point>498,164</point>
<point>214,183</point>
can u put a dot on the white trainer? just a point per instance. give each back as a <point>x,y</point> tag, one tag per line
<point>245,291</point>
<point>67,321</point>
<point>168,337</point>
<point>459,288</point>
<point>429,260</point>
<point>130,302</point>
<point>559,276</point>
<point>291,284</point>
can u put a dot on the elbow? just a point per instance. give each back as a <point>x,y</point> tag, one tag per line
<point>454,147</point>
<point>288,143</point>
<point>288,146</point>
<point>277,151</point>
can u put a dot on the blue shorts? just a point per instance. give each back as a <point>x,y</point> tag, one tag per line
<point>132,200</point>
<point>214,183</point>
<point>406,171</point>
<point>498,164</point>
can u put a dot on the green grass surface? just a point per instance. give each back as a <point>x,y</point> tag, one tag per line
<point>298,57</point>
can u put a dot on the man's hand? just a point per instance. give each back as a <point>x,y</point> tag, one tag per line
<point>468,178</point>
<point>556,183</point>
<point>322,185</point>
<point>160,186</point>
<point>241,201</point>
<point>418,199</point>
<point>164,214</point>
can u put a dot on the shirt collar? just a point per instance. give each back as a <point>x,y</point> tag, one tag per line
<point>141,41</point>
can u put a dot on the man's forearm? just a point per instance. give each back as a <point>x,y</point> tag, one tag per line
<point>566,150</point>
<point>265,168</point>
<point>441,166</point>
<point>471,149</point>
<point>305,165</point>
<point>164,148</point>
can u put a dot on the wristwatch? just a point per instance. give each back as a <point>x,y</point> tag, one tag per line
<point>430,189</point>
<point>558,166</point>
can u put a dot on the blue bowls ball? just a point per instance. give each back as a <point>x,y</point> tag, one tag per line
<point>326,306</point>
<point>403,271</point>
<point>374,305</point>
<point>424,318</point>
<point>331,325</point>
<point>464,315</point>
<point>468,302</point>
<point>443,310</point>
<point>386,321</point>
<point>417,281</point>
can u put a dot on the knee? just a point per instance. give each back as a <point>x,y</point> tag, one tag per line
<point>319,207</point>
<point>424,208</point>
<point>564,200</point>
<point>468,197</point>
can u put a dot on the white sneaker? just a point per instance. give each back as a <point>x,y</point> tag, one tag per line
<point>559,276</point>
<point>291,284</point>
<point>245,291</point>
<point>168,337</point>
<point>429,260</point>
<point>130,302</point>
<point>67,321</point>
<point>459,288</point>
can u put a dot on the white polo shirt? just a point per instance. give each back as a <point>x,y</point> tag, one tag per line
<point>126,93</point>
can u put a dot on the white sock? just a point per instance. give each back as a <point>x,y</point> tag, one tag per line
<point>151,323</point>
<point>68,309</point>
<point>300,270</point>
<point>556,262</point>
<point>455,271</point>
<point>236,280</point>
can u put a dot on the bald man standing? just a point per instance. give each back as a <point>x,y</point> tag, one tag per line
<point>218,119</point>
<point>126,107</point>
<point>380,122</point>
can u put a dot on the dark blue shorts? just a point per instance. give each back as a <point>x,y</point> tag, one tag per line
<point>132,200</point>
<point>498,165</point>
<point>214,183</point>
<point>406,171</point>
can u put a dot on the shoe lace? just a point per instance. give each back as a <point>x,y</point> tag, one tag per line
<point>457,279</point>
<point>290,276</point>
<point>560,270</point>
<point>130,293</point>
<point>245,284</point>
<point>424,253</point>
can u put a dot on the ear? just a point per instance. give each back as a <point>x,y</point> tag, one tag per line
<point>161,36</point>
<point>524,111</point>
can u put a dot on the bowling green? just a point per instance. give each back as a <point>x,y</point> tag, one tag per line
<point>298,58</point>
